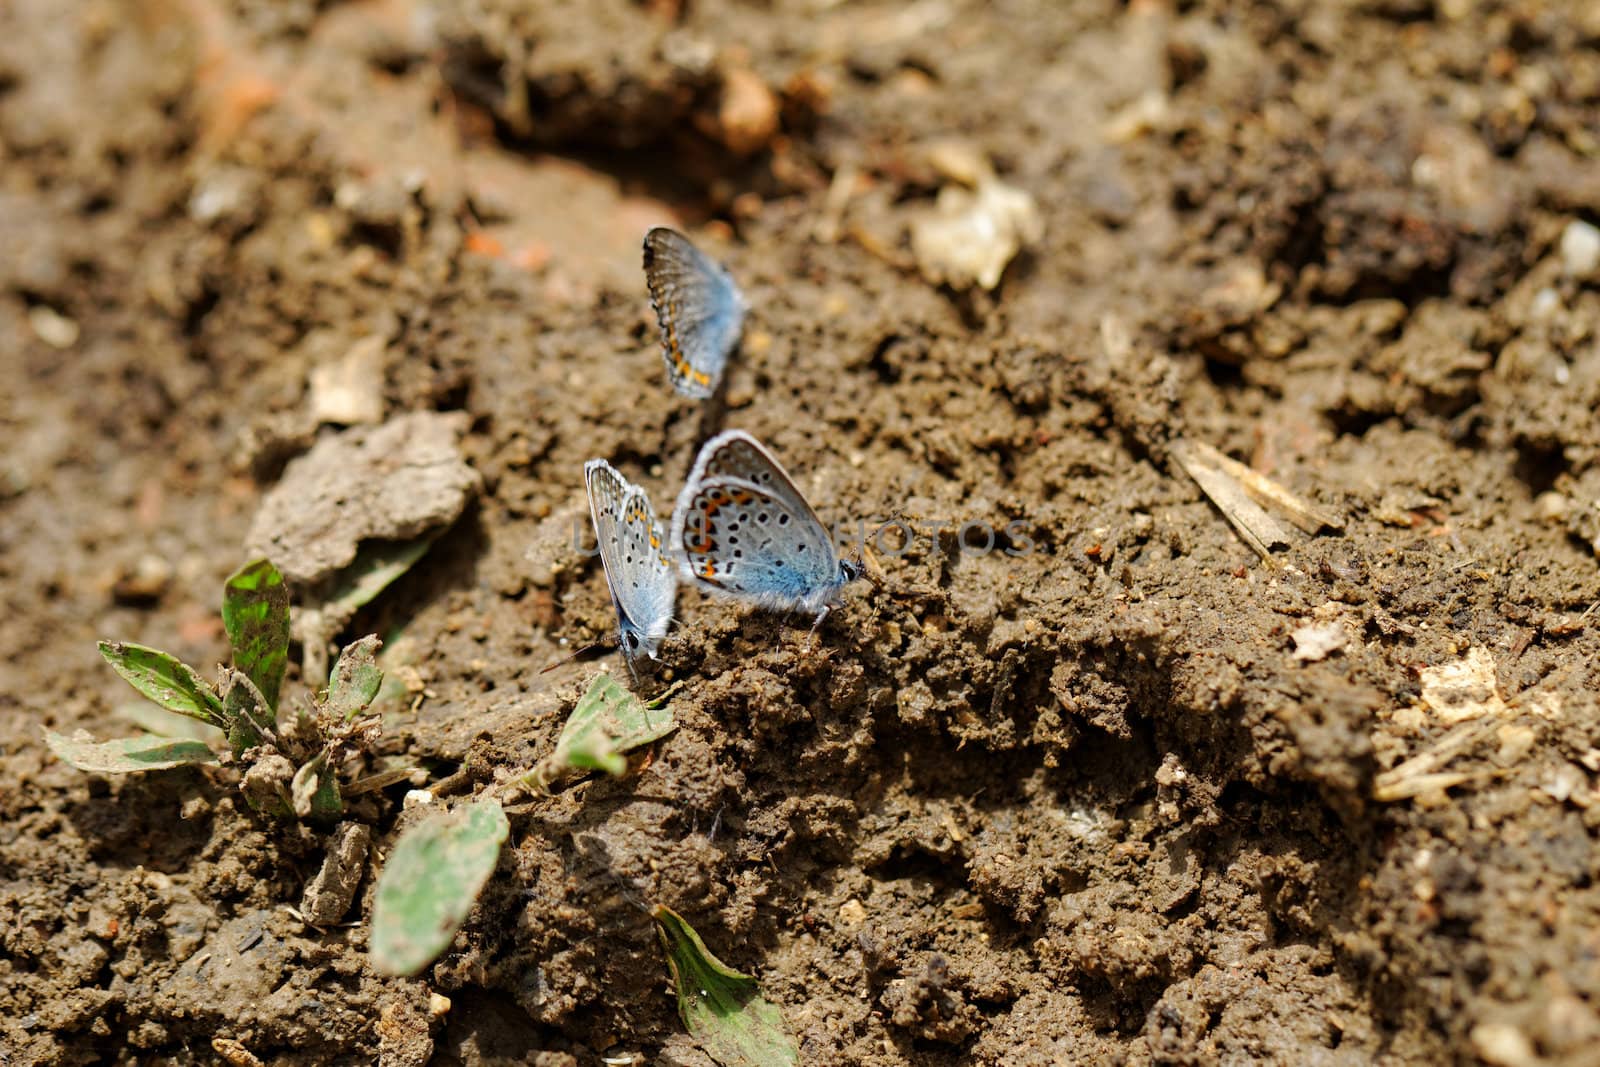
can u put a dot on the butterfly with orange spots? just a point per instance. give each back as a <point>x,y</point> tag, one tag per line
<point>644,584</point>
<point>742,529</point>
<point>698,307</point>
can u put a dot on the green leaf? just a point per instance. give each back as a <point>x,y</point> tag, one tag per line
<point>356,678</point>
<point>377,564</point>
<point>164,679</point>
<point>244,708</point>
<point>255,610</point>
<point>607,722</point>
<point>435,873</point>
<point>315,790</point>
<point>126,754</point>
<point>721,1008</point>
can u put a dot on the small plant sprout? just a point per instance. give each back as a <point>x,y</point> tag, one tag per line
<point>721,1008</point>
<point>441,862</point>
<point>291,769</point>
<point>607,723</point>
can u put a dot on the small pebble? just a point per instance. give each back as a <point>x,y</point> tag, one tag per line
<point>1546,302</point>
<point>748,114</point>
<point>1553,506</point>
<point>1503,1045</point>
<point>52,327</point>
<point>1580,250</point>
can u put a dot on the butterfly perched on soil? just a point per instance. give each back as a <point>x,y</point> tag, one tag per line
<point>742,529</point>
<point>644,584</point>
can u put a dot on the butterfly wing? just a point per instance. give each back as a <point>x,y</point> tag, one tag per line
<point>642,583</point>
<point>698,307</point>
<point>649,581</point>
<point>751,542</point>
<point>735,454</point>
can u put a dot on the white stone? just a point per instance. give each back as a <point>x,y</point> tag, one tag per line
<point>1580,249</point>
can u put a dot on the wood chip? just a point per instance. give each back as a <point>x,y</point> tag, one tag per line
<point>1420,774</point>
<point>1310,517</point>
<point>1258,529</point>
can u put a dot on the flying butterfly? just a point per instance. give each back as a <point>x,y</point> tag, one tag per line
<point>699,308</point>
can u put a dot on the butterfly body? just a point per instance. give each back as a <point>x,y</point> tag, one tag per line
<point>698,307</point>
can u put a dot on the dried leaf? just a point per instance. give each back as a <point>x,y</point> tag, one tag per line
<point>380,780</point>
<point>1310,517</point>
<point>1255,527</point>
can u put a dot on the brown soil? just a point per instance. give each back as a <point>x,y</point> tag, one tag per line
<point>1076,805</point>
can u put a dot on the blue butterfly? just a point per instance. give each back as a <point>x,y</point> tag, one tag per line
<point>700,309</point>
<point>742,529</point>
<point>644,585</point>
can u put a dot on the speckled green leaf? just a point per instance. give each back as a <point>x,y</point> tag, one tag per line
<point>164,679</point>
<point>356,678</point>
<point>435,873</point>
<point>127,754</point>
<point>607,722</point>
<point>722,1009</point>
<point>255,610</point>
<point>244,709</point>
<point>377,564</point>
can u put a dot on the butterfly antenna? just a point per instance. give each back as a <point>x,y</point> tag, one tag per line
<point>568,659</point>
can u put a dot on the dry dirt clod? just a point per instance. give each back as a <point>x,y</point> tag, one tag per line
<point>405,1029</point>
<point>234,1053</point>
<point>392,482</point>
<point>348,390</point>
<point>1318,641</point>
<point>329,895</point>
<point>1464,689</point>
